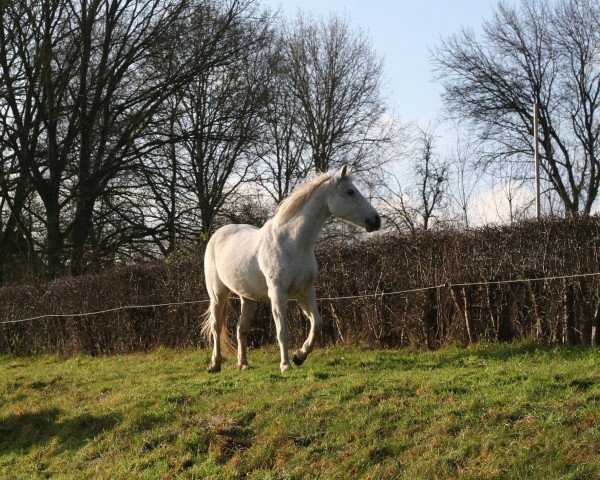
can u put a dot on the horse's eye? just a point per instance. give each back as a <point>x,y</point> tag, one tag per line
<point>350,191</point>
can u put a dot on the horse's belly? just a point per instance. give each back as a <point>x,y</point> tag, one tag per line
<point>247,283</point>
<point>237,265</point>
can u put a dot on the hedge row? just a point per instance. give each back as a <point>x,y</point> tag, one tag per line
<point>555,310</point>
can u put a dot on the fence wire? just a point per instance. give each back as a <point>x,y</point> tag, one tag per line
<point>346,297</point>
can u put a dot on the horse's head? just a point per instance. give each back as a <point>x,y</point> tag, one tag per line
<point>347,203</point>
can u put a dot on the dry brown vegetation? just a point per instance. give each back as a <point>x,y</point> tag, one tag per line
<point>552,311</point>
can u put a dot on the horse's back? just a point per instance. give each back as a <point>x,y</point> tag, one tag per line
<point>233,230</point>
<point>232,253</point>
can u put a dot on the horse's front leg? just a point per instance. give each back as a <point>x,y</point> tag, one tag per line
<point>279,307</point>
<point>308,304</point>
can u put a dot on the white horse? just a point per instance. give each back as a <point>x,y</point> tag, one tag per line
<point>277,262</point>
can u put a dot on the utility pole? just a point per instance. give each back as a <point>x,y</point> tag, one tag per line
<point>536,156</point>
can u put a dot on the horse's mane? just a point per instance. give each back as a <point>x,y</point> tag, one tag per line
<point>299,196</point>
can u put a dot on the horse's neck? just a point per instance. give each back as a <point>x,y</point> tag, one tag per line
<point>309,220</point>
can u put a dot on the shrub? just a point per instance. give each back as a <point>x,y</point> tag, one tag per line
<point>466,304</point>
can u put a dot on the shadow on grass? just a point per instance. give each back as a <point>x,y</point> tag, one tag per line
<point>26,430</point>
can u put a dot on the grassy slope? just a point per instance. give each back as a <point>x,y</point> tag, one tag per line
<point>485,412</point>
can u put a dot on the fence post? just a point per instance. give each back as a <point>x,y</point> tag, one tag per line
<point>536,156</point>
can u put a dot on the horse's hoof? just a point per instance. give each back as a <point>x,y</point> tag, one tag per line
<point>298,358</point>
<point>213,368</point>
<point>243,367</point>
<point>286,367</point>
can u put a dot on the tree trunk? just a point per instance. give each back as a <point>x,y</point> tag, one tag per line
<point>54,247</point>
<point>9,239</point>
<point>81,230</point>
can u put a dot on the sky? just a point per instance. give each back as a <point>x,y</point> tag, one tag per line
<point>403,32</point>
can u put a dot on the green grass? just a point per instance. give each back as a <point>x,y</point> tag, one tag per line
<point>517,411</point>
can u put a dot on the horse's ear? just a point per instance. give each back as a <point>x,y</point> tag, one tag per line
<point>343,171</point>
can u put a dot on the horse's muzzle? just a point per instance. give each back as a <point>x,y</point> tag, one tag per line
<point>372,224</point>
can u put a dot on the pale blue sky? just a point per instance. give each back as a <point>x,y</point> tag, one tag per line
<point>403,32</point>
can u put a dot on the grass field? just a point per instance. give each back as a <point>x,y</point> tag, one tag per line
<point>512,411</point>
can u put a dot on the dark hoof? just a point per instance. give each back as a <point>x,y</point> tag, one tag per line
<point>213,368</point>
<point>297,359</point>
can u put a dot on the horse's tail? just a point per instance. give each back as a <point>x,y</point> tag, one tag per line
<point>205,331</point>
<point>225,342</point>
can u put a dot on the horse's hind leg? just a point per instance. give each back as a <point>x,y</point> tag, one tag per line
<point>243,326</point>
<point>308,304</point>
<point>217,319</point>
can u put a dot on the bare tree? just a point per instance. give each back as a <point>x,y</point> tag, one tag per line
<point>335,74</point>
<point>466,179</point>
<point>537,52</point>
<point>416,201</point>
<point>170,219</point>
<point>219,118</point>
<point>122,116</point>
<point>285,154</point>
<point>81,93</point>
